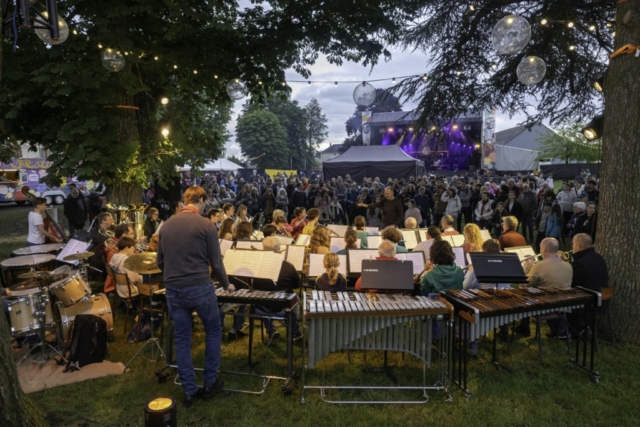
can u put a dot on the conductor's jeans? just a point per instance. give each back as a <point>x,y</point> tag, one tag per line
<point>182,301</point>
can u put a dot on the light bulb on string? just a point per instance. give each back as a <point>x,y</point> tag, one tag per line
<point>572,47</point>
<point>592,28</point>
<point>75,32</point>
<point>165,131</point>
<point>424,77</point>
<point>543,22</point>
<point>335,83</point>
<point>510,35</point>
<point>112,60</point>
<point>175,67</point>
<point>99,46</point>
<point>260,82</point>
<point>215,76</point>
<point>155,58</point>
<point>494,65</point>
<point>570,24</point>
<point>44,34</point>
<point>195,71</point>
<point>164,100</point>
<point>472,8</point>
<point>393,80</point>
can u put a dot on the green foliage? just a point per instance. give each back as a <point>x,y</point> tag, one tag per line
<point>568,144</point>
<point>235,160</point>
<point>317,128</point>
<point>263,140</point>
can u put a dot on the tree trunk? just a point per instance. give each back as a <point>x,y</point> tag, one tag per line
<point>618,234</point>
<point>126,193</point>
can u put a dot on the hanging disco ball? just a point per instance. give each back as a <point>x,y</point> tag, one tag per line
<point>531,70</point>
<point>511,34</point>
<point>237,89</point>
<point>45,35</point>
<point>112,60</point>
<point>364,94</point>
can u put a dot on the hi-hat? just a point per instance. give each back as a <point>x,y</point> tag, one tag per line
<point>33,275</point>
<point>144,263</point>
<point>78,256</point>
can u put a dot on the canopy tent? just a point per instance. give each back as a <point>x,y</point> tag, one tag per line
<point>515,159</point>
<point>383,161</point>
<point>217,165</point>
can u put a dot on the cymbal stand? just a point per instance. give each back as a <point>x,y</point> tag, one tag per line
<point>44,346</point>
<point>155,348</point>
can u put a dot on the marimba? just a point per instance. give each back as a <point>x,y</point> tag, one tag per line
<point>480,311</point>
<point>367,321</point>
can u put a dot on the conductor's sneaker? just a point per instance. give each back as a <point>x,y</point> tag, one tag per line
<point>211,390</point>
<point>190,399</point>
<point>273,335</point>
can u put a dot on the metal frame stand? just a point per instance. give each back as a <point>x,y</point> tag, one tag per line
<point>156,348</point>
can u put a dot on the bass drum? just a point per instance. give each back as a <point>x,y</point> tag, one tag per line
<point>98,305</point>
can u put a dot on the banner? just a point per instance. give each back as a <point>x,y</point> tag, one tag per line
<point>273,172</point>
<point>489,138</point>
<point>366,128</point>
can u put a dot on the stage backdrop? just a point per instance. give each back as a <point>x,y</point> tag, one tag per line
<point>370,161</point>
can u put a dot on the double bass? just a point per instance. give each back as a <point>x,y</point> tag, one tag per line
<point>50,224</point>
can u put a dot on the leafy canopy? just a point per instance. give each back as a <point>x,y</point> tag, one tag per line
<point>568,144</point>
<point>263,140</point>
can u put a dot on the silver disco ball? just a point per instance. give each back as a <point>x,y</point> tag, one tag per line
<point>45,35</point>
<point>112,60</point>
<point>364,94</point>
<point>531,70</point>
<point>236,89</point>
<point>511,34</point>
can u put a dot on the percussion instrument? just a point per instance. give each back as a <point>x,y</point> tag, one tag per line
<point>24,313</point>
<point>33,275</point>
<point>368,321</point>
<point>98,305</point>
<point>275,301</point>
<point>51,248</point>
<point>71,289</point>
<point>63,270</point>
<point>13,267</point>
<point>79,256</point>
<point>480,311</point>
<point>25,288</point>
<point>144,263</point>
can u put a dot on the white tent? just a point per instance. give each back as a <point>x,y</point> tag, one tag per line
<point>515,159</point>
<point>217,165</point>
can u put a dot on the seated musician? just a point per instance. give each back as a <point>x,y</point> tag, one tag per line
<point>228,210</point>
<point>472,238</point>
<point>123,230</point>
<point>386,252</point>
<point>269,230</point>
<point>446,223</point>
<point>299,222</point>
<point>153,243</point>
<point>589,268</point>
<point>393,235</point>
<point>216,216</point>
<point>551,271</point>
<point>226,230</point>
<point>288,280</point>
<point>37,231</point>
<point>410,223</point>
<point>350,240</point>
<point>281,227</point>
<point>126,247</point>
<point>104,221</point>
<point>360,223</point>
<point>445,274</point>
<point>331,280</point>
<point>491,246</point>
<point>313,215</point>
<point>433,235</point>
<point>510,238</point>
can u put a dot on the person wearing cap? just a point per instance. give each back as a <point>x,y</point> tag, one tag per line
<point>578,209</point>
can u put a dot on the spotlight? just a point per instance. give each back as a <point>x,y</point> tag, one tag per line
<point>472,8</point>
<point>599,83</point>
<point>593,129</point>
<point>454,127</point>
<point>572,47</point>
<point>390,129</point>
<point>570,24</point>
<point>424,77</point>
<point>410,129</point>
<point>592,28</point>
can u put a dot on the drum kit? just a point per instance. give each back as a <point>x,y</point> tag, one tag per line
<point>43,298</point>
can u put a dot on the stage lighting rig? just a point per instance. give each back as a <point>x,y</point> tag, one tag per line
<point>593,129</point>
<point>49,26</point>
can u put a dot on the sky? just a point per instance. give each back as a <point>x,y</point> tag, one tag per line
<point>337,101</point>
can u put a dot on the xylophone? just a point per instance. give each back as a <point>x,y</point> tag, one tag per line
<point>480,311</point>
<point>270,300</point>
<point>362,321</point>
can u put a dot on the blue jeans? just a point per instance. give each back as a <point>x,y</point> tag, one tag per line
<point>34,244</point>
<point>182,301</point>
<point>527,223</point>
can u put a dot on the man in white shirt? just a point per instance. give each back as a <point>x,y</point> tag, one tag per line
<point>550,181</point>
<point>37,232</point>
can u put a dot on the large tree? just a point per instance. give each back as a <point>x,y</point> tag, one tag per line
<point>263,139</point>
<point>567,143</point>
<point>106,126</point>
<point>317,129</point>
<point>575,40</point>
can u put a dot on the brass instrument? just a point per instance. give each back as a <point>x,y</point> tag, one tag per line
<point>136,218</point>
<point>119,212</point>
<point>110,243</point>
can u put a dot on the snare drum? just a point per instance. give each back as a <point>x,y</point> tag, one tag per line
<point>70,290</point>
<point>98,305</point>
<point>13,267</point>
<point>50,248</point>
<point>23,313</point>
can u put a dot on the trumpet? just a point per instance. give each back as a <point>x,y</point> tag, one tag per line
<point>110,243</point>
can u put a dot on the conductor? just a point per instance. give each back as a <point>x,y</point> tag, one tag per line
<point>392,212</point>
<point>188,246</point>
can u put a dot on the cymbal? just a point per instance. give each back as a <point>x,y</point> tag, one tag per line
<point>33,275</point>
<point>144,263</point>
<point>26,285</point>
<point>78,256</point>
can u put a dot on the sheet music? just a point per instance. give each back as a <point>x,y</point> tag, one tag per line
<point>422,233</point>
<point>425,248</point>
<point>255,264</point>
<point>356,256</point>
<point>340,230</point>
<point>460,258</point>
<point>338,244</point>
<point>225,245</point>
<point>73,247</point>
<point>485,235</point>
<point>522,251</point>
<point>284,240</point>
<point>454,240</point>
<point>295,255</point>
<point>316,265</point>
<point>374,241</point>
<point>410,238</point>
<point>303,240</point>
<point>416,257</point>
<point>373,231</point>
<point>258,235</point>
<point>247,244</point>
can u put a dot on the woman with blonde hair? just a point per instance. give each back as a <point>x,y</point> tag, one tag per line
<point>351,240</point>
<point>320,241</point>
<point>331,280</point>
<point>472,238</point>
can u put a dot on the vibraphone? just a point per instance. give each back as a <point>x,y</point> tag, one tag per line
<point>276,301</point>
<point>480,311</point>
<point>359,321</point>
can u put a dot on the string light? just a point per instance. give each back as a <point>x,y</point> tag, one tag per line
<point>570,24</point>
<point>572,47</point>
<point>175,67</point>
<point>260,82</point>
<point>424,77</point>
<point>284,84</point>
<point>393,80</point>
<point>543,22</point>
<point>99,46</point>
<point>592,28</point>
<point>164,100</point>
<point>494,65</point>
<point>155,58</point>
<point>165,132</point>
<point>195,71</point>
<point>335,83</point>
<point>472,8</point>
<point>75,32</point>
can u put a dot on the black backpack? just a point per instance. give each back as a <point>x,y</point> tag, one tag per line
<point>88,341</point>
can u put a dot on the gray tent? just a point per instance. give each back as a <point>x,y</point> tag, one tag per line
<point>385,162</point>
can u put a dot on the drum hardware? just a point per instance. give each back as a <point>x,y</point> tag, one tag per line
<point>98,305</point>
<point>24,288</point>
<point>144,263</point>
<point>78,256</point>
<point>41,303</point>
<point>34,275</point>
